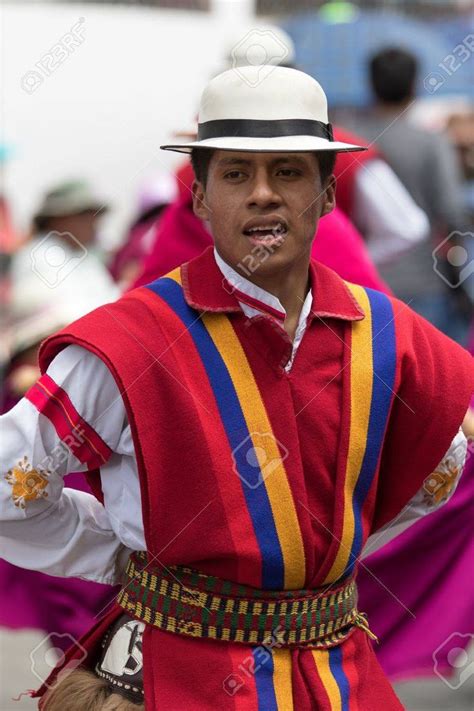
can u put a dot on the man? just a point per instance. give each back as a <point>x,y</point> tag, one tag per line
<point>60,260</point>
<point>427,165</point>
<point>254,418</point>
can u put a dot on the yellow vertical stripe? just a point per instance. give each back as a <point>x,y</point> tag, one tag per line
<point>282,679</point>
<point>175,275</point>
<point>321,659</point>
<point>265,446</point>
<point>361,376</point>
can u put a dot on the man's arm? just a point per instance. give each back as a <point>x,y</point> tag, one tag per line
<point>42,525</point>
<point>434,385</point>
<point>436,491</point>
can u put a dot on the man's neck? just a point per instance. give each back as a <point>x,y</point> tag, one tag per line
<point>290,287</point>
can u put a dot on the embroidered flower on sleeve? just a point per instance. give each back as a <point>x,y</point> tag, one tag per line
<point>27,484</point>
<point>440,483</point>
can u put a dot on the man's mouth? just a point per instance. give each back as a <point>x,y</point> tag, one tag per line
<point>266,233</point>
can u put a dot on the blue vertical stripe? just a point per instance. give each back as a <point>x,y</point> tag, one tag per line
<point>384,366</point>
<point>335,664</point>
<point>263,666</point>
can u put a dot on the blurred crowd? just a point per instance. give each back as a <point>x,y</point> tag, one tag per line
<point>405,207</point>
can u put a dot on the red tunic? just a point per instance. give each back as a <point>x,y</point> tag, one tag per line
<point>199,381</point>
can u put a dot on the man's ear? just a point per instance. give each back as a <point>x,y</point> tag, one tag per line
<point>329,202</point>
<point>200,208</point>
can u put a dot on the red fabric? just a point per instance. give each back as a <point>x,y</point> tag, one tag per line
<point>54,403</point>
<point>347,166</point>
<point>169,401</point>
<point>185,177</point>
<point>372,691</point>
<point>181,236</point>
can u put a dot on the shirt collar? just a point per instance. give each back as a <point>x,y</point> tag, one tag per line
<point>207,288</point>
<point>249,293</point>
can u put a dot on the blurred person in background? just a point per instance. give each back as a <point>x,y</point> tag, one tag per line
<point>10,240</point>
<point>460,129</point>
<point>376,201</point>
<point>426,163</point>
<point>40,300</point>
<point>70,207</point>
<point>155,194</point>
<point>62,260</point>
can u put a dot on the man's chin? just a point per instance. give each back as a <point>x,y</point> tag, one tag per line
<point>265,261</point>
<point>249,256</point>
<point>270,244</point>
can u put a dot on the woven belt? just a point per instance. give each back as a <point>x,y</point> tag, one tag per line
<point>184,601</point>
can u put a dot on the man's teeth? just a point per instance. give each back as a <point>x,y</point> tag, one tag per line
<point>273,229</point>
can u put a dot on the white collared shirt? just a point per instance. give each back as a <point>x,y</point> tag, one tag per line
<point>264,303</point>
<point>69,533</point>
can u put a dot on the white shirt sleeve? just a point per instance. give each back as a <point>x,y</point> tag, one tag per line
<point>435,492</point>
<point>63,531</point>
<point>385,213</point>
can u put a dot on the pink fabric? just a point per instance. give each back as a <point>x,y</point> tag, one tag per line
<point>63,608</point>
<point>179,237</point>
<point>137,245</point>
<point>441,599</point>
<point>340,246</point>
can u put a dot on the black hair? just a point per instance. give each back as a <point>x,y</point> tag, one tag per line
<point>393,74</point>
<point>201,157</point>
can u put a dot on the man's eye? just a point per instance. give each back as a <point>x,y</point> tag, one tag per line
<point>233,174</point>
<point>287,172</point>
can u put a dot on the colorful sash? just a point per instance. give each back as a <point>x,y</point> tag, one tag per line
<point>184,601</point>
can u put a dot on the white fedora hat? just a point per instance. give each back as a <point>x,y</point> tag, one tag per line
<point>286,110</point>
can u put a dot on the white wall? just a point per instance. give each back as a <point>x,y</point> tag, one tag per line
<point>111,99</point>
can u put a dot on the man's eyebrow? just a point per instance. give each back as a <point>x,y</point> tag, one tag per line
<point>233,161</point>
<point>289,159</point>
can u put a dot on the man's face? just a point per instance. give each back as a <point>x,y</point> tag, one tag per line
<point>263,208</point>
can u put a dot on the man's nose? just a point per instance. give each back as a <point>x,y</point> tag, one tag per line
<point>263,193</point>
